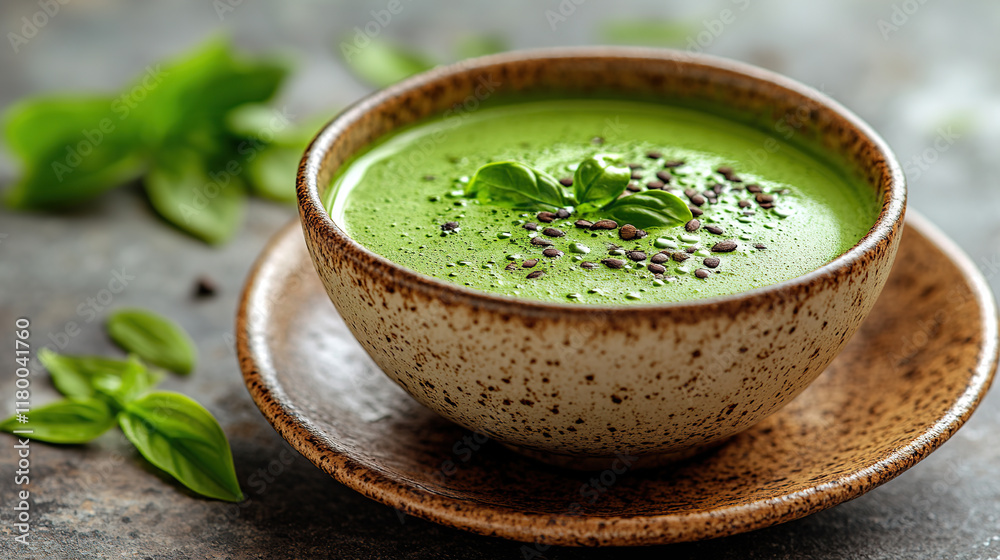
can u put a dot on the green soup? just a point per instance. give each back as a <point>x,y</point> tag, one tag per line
<point>787,213</point>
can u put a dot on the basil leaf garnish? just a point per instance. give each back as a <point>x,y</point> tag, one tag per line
<point>598,181</point>
<point>515,184</point>
<point>76,420</point>
<point>153,338</point>
<point>81,376</point>
<point>179,436</point>
<point>649,209</point>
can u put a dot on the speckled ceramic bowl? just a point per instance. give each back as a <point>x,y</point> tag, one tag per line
<point>578,385</point>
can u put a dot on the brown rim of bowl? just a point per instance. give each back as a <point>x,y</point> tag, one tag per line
<point>314,215</point>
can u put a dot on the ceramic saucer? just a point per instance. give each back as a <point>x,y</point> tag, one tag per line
<point>905,383</point>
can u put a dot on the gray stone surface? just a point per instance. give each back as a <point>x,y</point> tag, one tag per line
<point>936,70</point>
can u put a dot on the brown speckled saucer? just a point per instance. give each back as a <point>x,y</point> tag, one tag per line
<point>907,381</point>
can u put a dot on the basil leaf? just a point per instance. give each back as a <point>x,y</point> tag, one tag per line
<point>66,421</point>
<point>79,376</point>
<point>517,185</point>
<point>380,63</point>
<point>472,46</point>
<point>272,172</point>
<point>179,436</point>
<point>185,194</point>
<point>649,209</point>
<point>71,150</point>
<point>134,381</point>
<point>153,338</point>
<point>598,181</point>
<point>648,32</point>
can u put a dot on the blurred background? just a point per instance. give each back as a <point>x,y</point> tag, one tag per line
<point>923,73</point>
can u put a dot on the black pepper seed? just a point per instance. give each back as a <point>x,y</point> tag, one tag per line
<point>760,246</point>
<point>635,166</point>
<point>552,252</point>
<point>613,263</point>
<point>655,185</point>
<point>692,226</point>
<point>627,232</point>
<point>449,226</point>
<point>656,268</point>
<point>762,198</point>
<point>689,192</point>
<point>690,249</point>
<point>636,256</point>
<point>659,258</point>
<point>664,176</point>
<point>673,163</point>
<point>205,287</point>
<point>633,187</point>
<point>547,217</point>
<point>562,213</point>
<point>553,232</point>
<point>700,273</point>
<point>724,170</point>
<point>540,241</point>
<point>510,266</point>
<point>714,229</point>
<point>587,265</point>
<point>583,224</point>
<point>535,274</point>
<point>566,181</point>
<point>637,175</point>
<point>529,263</point>
<point>698,200</point>
<point>711,262</point>
<point>717,188</point>
<point>724,246</point>
<point>695,211</point>
<point>605,224</point>
<point>767,205</point>
<point>532,226</point>
<point>654,155</point>
<point>640,233</point>
<point>755,188</point>
<point>744,203</point>
<point>680,256</point>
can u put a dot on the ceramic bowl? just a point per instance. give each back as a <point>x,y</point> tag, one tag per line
<point>580,385</point>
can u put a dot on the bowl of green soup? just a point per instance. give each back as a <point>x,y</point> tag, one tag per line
<point>595,252</point>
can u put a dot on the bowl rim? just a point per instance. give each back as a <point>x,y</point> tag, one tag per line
<point>314,215</point>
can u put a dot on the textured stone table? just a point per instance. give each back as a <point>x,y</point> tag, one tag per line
<point>926,79</point>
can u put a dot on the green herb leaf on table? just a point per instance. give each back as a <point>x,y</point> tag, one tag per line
<point>179,436</point>
<point>381,63</point>
<point>183,191</point>
<point>517,185</point>
<point>598,181</point>
<point>153,338</point>
<point>135,380</point>
<point>649,209</point>
<point>80,376</point>
<point>76,420</point>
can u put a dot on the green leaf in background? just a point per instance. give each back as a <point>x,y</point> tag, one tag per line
<point>184,192</point>
<point>598,181</point>
<point>380,63</point>
<point>78,376</point>
<point>272,173</point>
<point>66,421</point>
<point>649,32</point>
<point>649,209</point>
<point>71,150</point>
<point>471,46</point>
<point>153,338</point>
<point>179,436</point>
<point>516,185</point>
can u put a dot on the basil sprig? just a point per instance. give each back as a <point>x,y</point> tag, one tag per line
<point>170,430</point>
<point>598,184</point>
<point>153,338</point>
<point>598,181</point>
